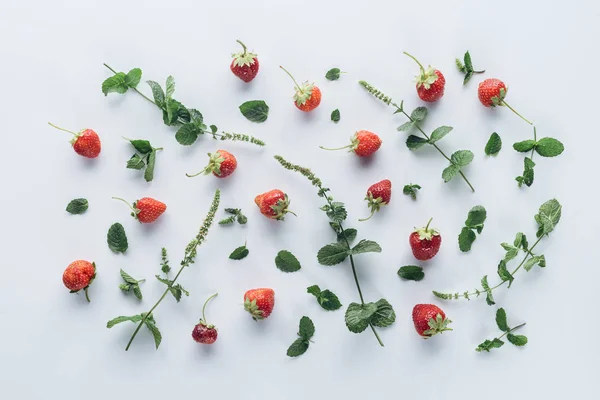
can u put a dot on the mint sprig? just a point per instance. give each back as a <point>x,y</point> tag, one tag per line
<point>474,223</point>
<point>306,331</point>
<point>495,343</point>
<point>467,67</point>
<point>545,147</point>
<point>77,206</point>
<point>326,298</point>
<point>143,158</point>
<point>411,190</point>
<point>236,215</point>
<point>131,284</point>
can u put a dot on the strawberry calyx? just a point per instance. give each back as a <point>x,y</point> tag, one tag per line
<point>427,77</point>
<point>280,209</point>
<point>303,92</point>
<point>214,165</point>
<point>437,325</point>
<point>498,100</point>
<point>252,308</point>
<point>244,58</point>
<point>75,135</point>
<point>427,233</point>
<point>374,204</point>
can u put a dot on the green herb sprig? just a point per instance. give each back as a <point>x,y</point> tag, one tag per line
<point>467,67</point>
<point>236,215</point>
<point>458,160</point>
<point>517,340</point>
<point>131,284</point>
<point>359,316</point>
<point>411,190</point>
<point>306,330</point>
<point>147,318</point>
<point>473,223</point>
<point>144,157</point>
<point>545,147</point>
<point>547,218</point>
<point>326,298</point>
<point>190,121</point>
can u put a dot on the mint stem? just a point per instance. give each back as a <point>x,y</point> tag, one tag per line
<point>512,329</point>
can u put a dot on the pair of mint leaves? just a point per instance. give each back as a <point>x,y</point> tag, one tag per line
<point>144,158</point>
<point>306,331</point>
<point>501,321</point>
<point>473,223</point>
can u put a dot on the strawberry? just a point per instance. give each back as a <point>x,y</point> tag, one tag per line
<point>221,163</point>
<point>492,92</point>
<point>307,96</point>
<point>79,275</point>
<point>378,194</point>
<point>146,209</point>
<point>245,64</point>
<point>259,302</point>
<point>425,242</point>
<point>203,332</point>
<point>363,144</point>
<point>273,204</point>
<point>429,320</point>
<point>430,83</point>
<point>86,143</point>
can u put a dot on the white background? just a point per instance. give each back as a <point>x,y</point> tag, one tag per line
<point>55,343</point>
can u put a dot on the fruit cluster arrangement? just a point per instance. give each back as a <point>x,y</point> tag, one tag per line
<point>425,242</point>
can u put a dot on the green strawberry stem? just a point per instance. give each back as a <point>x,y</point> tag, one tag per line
<point>417,61</point>
<point>128,205</point>
<point>369,217</point>
<point>243,46</point>
<point>337,148</point>
<point>428,222</point>
<point>503,102</point>
<point>209,299</point>
<point>63,129</point>
<point>290,75</point>
<point>196,174</point>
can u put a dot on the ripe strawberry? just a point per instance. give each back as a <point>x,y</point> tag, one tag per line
<point>378,194</point>
<point>363,144</point>
<point>245,64</point>
<point>307,96</point>
<point>273,204</point>
<point>79,275</point>
<point>259,302</point>
<point>86,143</point>
<point>492,92</point>
<point>430,83</point>
<point>146,209</point>
<point>425,242</point>
<point>203,332</point>
<point>429,320</point>
<point>221,163</point>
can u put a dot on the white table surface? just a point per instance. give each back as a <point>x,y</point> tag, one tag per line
<point>54,343</point>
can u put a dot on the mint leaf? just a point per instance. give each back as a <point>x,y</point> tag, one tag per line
<point>333,74</point>
<point>287,262</point>
<point>358,316</point>
<point>77,206</point>
<point>347,235</point>
<point>115,84</point>
<point>501,320</point>
<point>462,158</point>
<point>494,145</point>
<point>476,217</point>
<point>535,260</point>
<point>307,328</point>
<point>466,239</point>
<point>157,93</point>
<point>414,142</point>
<point>384,315</point>
<point>549,147</point>
<point>439,133</point>
<point>517,340</point>
<point>239,253</point>
<point>171,111</point>
<point>127,278</point>
<point>521,241</point>
<point>468,63</point>
<point>118,320</point>
<point>411,190</point>
<point>149,173</point>
<point>335,115</point>
<point>524,146</point>
<point>450,172</point>
<point>154,330</point>
<point>528,173</point>
<point>143,146</point>
<point>133,77</point>
<point>490,344</point>
<point>418,114</point>
<point>365,246</point>
<point>131,283</point>
<point>489,299</point>
<point>504,274</point>
<point>326,298</point>
<point>314,290</point>
<point>187,134</point>
<point>411,273</point>
<point>405,127</point>
<point>338,212</point>
<point>548,217</point>
<point>332,254</point>
<point>136,162</point>
<point>255,110</point>
<point>170,86</point>
<point>116,238</point>
<point>297,348</point>
<point>468,76</point>
<point>511,251</point>
<point>177,291</point>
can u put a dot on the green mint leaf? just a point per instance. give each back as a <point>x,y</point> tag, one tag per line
<point>528,173</point>
<point>170,86</point>
<point>183,113</point>
<point>157,93</point>
<point>535,260</point>
<point>504,274</point>
<point>411,190</point>
<point>524,146</point>
<point>143,146</point>
<point>77,206</point>
<point>511,251</point>
<point>136,162</point>
<point>347,235</point>
<point>297,348</point>
<point>468,77</point>
<point>490,344</point>
<point>439,133</point>
<point>195,116</point>
<point>418,114</point>
<point>171,112</point>
<point>255,110</point>
<point>466,239</point>
<point>489,299</point>
<point>365,246</point>
<point>450,172</point>
<point>443,296</point>
<point>213,129</point>
<point>115,84</point>
<point>414,142</point>
<point>358,316</point>
<point>177,291</point>
<point>405,127</point>
<point>287,262</point>
<point>149,173</point>
<point>116,238</point>
<point>411,273</point>
<point>338,212</point>
<point>548,217</point>
<point>128,278</point>
<point>476,217</point>
<point>385,315</point>
<point>125,287</point>
<point>137,292</point>
<point>501,320</point>
<point>335,115</point>
<point>187,134</point>
<point>460,66</point>
<point>167,282</point>
<point>332,254</point>
<point>549,147</point>
<point>118,320</point>
<point>314,290</point>
<point>239,253</point>
<point>462,158</point>
<point>306,329</point>
<point>333,74</point>
<point>154,330</point>
<point>521,241</point>
<point>468,63</point>
<point>494,145</point>
<point>329,301</point>
<point>133,77</point>
<point>517,340</point>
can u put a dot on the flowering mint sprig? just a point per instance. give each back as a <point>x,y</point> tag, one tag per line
<point>458,160</point>
<point>147,318</point>
<point>359,316</point>
<point>190,121</point>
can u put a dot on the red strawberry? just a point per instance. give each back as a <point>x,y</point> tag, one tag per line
<point>425,242</point>
<point>221,163</point>
<point>86,143</point>
<point>430,83</point>
<point>492,92</point>
<point>378,194</point>
<point>79,275</point>
<point>259,302</point>
<point>273,204</point>
<point>245,64</point>
<point>203,332</point>
<point>363,144</point>
<point>307,96</point>
<point>429,320</point>
<point>146,209</point>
